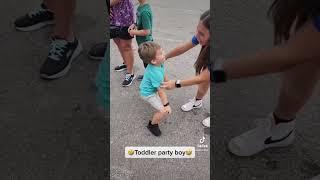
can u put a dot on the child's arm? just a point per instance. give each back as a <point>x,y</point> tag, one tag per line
<point>164,100</point>
<point>146,26</point>
<point>180,49</point>
<point>165,78</point>
<point>142,32</point>
<point>163,96</point>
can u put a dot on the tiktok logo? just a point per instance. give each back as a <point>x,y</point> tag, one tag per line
<point>202,140</point>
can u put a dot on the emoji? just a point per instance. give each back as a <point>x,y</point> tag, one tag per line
<point>130,152</point>
<point>189,152</point>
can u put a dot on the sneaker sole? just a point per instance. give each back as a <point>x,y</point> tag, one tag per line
<point>95,58</point>
<point>75,54</point>
<point>35,27</point>
<point>231,148</point>
<point>185,110</point>
<point>121,70</point>
<point>134,77</point>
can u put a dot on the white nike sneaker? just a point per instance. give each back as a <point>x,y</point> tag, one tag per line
<point>206,122</point>
<point>192,104</point>
<point>266,135</point>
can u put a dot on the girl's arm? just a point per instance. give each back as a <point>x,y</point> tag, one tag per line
<point>302,47</point>
<point>204,76</point>
<point>114,2</point>
<point>180,49</point>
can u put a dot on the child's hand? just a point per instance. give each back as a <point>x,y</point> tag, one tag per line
<point>168,109</point>
<point>168,85</point>
<point>132,27</point>
<point>131,32</point>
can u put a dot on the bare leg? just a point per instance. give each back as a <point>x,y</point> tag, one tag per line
<point>64,16</point>
<point>297,87</point>
<point>158,116</point>
<point>202,90</point>
<point>49,4</point>
<point>117,41</point>
<point>127,54</point>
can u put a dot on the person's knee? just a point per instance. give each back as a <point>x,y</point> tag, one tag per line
<point>163,112</point>
<point>126,45</point>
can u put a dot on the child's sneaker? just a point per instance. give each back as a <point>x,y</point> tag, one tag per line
<point>35,19</point>
<point>128,79</point>
<point>154,129</point>
<point>192,104</point>
<point>206,122</point>
<point>267,135</point>
<point>140,77</point>
<point>61,55</point>
<point>121,67</point>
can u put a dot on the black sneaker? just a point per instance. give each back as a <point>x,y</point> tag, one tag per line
<point>154,129</point>
<point>97,51</point>
<point>60,58</point>
<point>140,77</point>
<point>128,80</point>
<point>121,67</point>
<point>35,19</point>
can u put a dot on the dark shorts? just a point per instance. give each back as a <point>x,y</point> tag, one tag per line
<point>119,32</point>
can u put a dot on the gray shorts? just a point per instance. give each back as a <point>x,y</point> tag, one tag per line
<point>154,100</point>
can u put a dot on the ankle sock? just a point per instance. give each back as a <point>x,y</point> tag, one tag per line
<point>280,120</point>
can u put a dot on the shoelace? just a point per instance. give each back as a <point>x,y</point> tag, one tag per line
<point>57,49</point>
<point>37,12</point>
<point>128,76</point>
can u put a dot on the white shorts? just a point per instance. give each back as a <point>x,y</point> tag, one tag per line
<point>154,100</point>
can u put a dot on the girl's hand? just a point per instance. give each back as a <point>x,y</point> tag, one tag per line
<point>168,85</point>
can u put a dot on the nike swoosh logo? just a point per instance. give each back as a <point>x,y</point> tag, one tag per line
<point>270,141</point>
<point>197,105</point>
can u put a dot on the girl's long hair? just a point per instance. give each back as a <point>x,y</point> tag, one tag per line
<point>287,14</point>
<point>204,55</point>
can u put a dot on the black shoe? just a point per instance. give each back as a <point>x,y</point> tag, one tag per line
<point>60,58</point>
<point>140,77</point>
<point>128,79</point>
<point>97,51</point>
<point>121,67</point>
<point>154,129</point>
<point>35,20</point>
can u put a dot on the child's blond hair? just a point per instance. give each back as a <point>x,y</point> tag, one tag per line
<point>147,51</point>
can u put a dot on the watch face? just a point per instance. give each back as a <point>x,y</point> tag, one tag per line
<point>178,84</point>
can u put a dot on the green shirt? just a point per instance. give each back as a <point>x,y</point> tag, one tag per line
<point>144,21</point>
<point>152,79</point>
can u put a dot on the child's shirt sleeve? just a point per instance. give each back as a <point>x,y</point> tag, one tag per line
<point>156,81</point>
<point>146,20</point>
<point>194,40</point>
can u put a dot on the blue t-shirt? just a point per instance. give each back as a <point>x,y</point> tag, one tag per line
<point>194,40</point>
<point>152,79</point>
